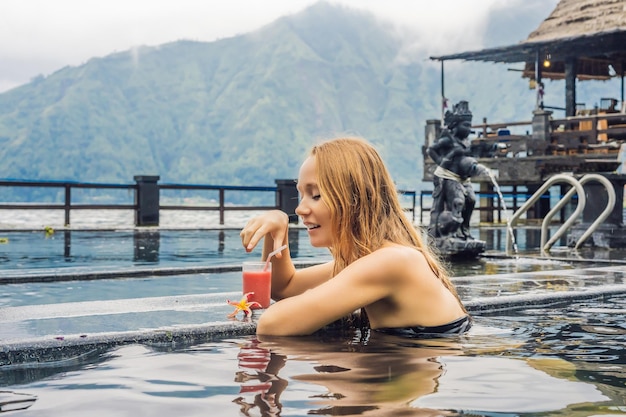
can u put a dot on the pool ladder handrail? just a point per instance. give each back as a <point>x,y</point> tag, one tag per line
<point>577,187</point>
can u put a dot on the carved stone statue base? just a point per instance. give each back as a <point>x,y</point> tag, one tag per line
<point>454,247</point>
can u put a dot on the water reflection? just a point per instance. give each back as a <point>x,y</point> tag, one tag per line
<point>583,341</point>
<point>530,364</point>
<point>48,365</point>
<point>379,372</point>
<point>174,248</point>
<point>393,375</point>
<point>146,244</point>
<point>13,401</point>
<point>526,238</point>
<point>514,386</point>
<point>258,376</point>
<point>67,244</point>
<point>127,248</point>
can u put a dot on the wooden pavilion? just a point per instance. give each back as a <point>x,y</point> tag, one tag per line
<point>580,40</point>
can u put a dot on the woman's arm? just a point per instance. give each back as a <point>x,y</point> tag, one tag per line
<point>363,282</point>
<point>303,280</point>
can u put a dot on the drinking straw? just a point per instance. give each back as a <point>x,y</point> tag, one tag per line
<point>267,263</point>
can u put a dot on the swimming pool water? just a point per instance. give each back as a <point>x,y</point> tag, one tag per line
<point>566,361</point>
<point>535,362</point>
<point>85,251</point>
<point>89,249</point>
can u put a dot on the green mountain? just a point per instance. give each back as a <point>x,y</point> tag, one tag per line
<point>243,110</point>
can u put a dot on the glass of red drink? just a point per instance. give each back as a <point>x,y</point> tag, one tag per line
<point>257,279</point>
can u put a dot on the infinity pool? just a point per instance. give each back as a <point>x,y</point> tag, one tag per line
<point>568,360</point>
<point>82,251</point>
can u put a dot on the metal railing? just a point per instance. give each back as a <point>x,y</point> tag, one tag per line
<point>577,188</point>
<point>67,205</point>
<point>222,206</point>
<point>413,195</point>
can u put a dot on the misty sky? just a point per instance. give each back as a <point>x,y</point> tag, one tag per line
<point>42,36</point>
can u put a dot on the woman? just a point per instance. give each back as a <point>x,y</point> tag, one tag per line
<point>349,204</point>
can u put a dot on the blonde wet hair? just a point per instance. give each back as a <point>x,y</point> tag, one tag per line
<point>364,206</point>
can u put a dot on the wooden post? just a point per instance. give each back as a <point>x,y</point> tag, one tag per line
<point>222,200</point>
<point>68,203</point>
<point>570,87</point>
<point>287,198</point>
<point>147,200</point>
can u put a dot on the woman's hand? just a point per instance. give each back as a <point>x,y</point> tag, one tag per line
<point>274,224</point>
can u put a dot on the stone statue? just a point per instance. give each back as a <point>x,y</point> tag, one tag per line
<point>453,195</point>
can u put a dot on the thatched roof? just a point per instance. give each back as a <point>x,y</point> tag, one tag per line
<point>576,18</point>
<point>592,32</point>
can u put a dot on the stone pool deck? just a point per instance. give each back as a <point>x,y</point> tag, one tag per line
<point>29,334</point>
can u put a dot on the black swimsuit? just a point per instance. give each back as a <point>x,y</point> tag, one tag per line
<point>455,327</point>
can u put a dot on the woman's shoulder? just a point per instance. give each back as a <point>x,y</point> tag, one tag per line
<point>398,259</point>
<point>397,250</point>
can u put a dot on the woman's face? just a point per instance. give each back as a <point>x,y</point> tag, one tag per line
<point>314,213</point>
